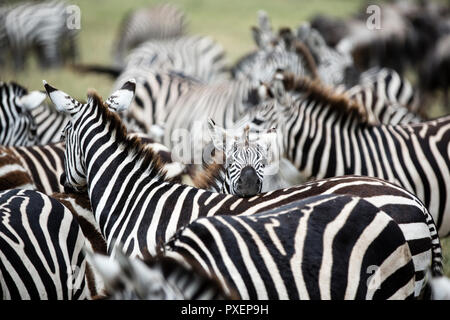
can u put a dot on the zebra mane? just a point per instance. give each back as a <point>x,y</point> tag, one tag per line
<point>151,162</point>
<point>300,49</point>
<point>208,177</point>
<point>317,91</point>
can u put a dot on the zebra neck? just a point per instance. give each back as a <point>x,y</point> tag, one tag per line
<point>239,105</point>
<point>115,163</point>
<point>309,128</point>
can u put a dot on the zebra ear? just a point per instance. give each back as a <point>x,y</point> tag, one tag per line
<point>218,135</point>
<point>269,142</point>
<point>121,99</point>
<point>32,100</point>
<point>264,21</point>
<point>62,101</point>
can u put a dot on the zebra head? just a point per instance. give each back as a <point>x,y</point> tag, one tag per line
<point>128,278</point>
<point>333,65</point>
<point>155,278</point>
<point>245,159</point>
<point>74,177</point>
<point>17,124</point>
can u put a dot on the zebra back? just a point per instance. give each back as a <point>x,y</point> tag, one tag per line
<point>304,250</point>
<point>155,23</point>
<point>41,254</point>
<point>196,56</point>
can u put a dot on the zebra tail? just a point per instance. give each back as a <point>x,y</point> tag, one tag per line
<point>437,268</point>
<point>110,71</point>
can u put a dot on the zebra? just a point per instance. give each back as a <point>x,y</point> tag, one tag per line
<point>196,56</point>
<point>43,26</point>
<point>337,69</point>
<point>155,278</point>
<point>49,124</point>
<point>325,135</point>
<point>161,22</point>
<point>40,167</point>
<point>41,251</point>
<point>144,209</point>
<point>16,123</point>
<point>323,247</point>
<point>333,67</point>
<point>243,172</point>
<point>274,51</point>
<point>162,99</point>
<point>155,91</point>
<point>388,83</point>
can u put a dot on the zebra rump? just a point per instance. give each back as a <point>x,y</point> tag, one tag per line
<point>41,244</point>
<point>323,247</point>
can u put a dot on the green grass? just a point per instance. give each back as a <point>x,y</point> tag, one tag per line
<point>228,22</point>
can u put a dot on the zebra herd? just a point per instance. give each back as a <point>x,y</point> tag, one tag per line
<point>317,180</point>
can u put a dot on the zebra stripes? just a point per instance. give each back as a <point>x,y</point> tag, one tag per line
<point>196,56</point>
<point>49,124</point>
<point>323,247</point>
<point>43,26</point>
<point>40,167</point>
<point>245,160</point>
<point>41,254</point>
<point>159,22</point>
<point>159,278</point>
<point>144,209</point>
<point>323,136</point>
<point>17,126</point>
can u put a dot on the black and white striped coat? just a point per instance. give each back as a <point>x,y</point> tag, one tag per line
<point>323,136</point>
<point>155,278</point>
<point>17,126</point>
<point>154,23</point>
<point>42,25</point>
<point>323,247</point>
<point>144,209</point>
<point>41,244</point>
<point>195,56</point>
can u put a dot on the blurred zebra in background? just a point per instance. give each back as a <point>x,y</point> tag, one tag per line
<point>42,27</point>
<point>155,278</point>
<point>319,124</point>
<point>159,22</point>
<point>154,205</point>
<point>196,56</point>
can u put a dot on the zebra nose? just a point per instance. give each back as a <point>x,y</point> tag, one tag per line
<point>248,183</point>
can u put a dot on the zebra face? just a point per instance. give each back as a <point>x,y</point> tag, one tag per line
<point>245,169</point>
<point>128,278</point>
<point>75,169</point>
<point>245,159</point>
<point>18,126</point>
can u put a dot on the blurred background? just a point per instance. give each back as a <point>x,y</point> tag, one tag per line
<point>228,22</point>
